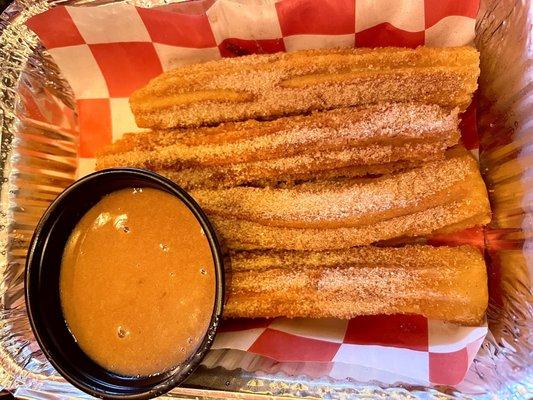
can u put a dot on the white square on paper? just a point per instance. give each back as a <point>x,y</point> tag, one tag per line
<point>304,42</point>
<point>86,166</point>
<point>109,24</point>
<point>451,31</point>
<point>390,359</point>
<point>122,119</point>
<point>238,340</point>
<point>328,329</point>
<point>447,338</point>
<point>367,374</point>
<point>407,15</point>
<point>81,70</point>
<point>173,56</point>
<point>252,20</point>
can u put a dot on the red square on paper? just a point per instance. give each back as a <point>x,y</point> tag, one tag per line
<point>94,116</point>
<point>230,325</point>
<point>178,29</point>
<point>435,10</point>
<point>468,126</point>
<point>55,28</point>
<point>385,34</point>
<point>448,368</point>
<point>240,47</point>
<point>318,17</point>
<point>472,236</point>
<point>404,331</point>
<point>126,66</point>
<point>283,346</point>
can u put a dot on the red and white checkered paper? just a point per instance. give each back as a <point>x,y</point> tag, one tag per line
<point>106,52</point>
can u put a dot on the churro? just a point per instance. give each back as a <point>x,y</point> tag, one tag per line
<point>346,204</point>
<point>242,142</point>
<point>445,283</point>
<point>452,217</point>
<point>269,86</point>
<point>412,204</point>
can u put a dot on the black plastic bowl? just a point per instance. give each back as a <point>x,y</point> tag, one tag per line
<point>42,287</point>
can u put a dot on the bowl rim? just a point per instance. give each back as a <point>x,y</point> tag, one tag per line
<point>34,266</point>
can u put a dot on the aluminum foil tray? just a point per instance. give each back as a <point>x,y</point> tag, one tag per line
<point>38,159</point>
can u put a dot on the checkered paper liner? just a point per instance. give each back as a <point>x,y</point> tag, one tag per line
<point>106,52</point>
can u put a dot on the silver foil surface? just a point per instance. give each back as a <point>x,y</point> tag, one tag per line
<point>38,160</point>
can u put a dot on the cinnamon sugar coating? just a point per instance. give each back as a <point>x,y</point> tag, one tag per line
<point>391,124</point>
<point>452,217</point>
<point>330,204</point>
<point>446,195</point>
<point>445,283</point>
<point>273,85</point>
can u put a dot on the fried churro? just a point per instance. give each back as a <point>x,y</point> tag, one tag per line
<point>445,283</point>
<point>441,196</point>
<point>335,205</point>
<point>269,86</point>
<point>243,142</point>
<point>455,216</point>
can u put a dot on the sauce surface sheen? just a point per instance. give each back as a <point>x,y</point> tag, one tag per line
<point>137,282</point>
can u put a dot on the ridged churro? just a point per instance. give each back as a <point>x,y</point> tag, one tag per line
<point>441,196</point>
<point>243,142</point>
<point>452,217</point>
<point>346,204</point>
<point>445,283</point>
<point>269,86</point>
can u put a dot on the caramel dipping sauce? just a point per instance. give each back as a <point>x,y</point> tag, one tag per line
<point>137,282</point>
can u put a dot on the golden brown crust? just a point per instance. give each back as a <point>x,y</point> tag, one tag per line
<point>459,215</point>
<point>462,205</point>
<point>442,283</point>
<point>268,86</point>
<point>350,204</point>
<point>232,143</point>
